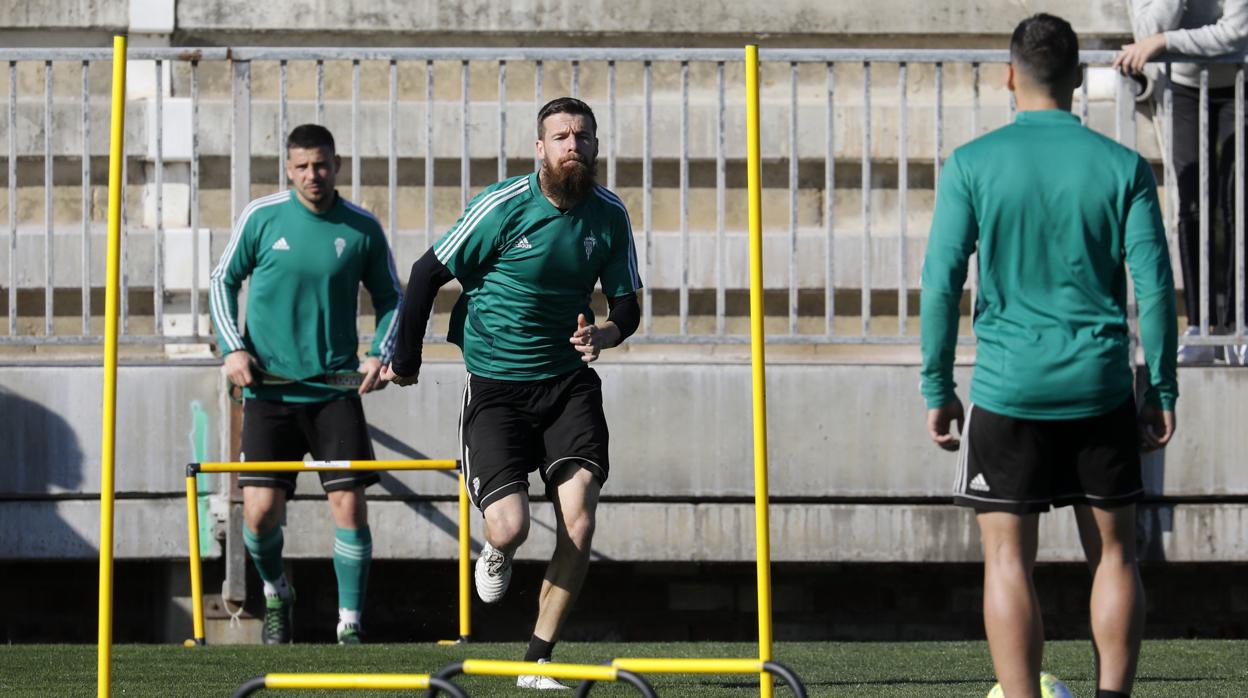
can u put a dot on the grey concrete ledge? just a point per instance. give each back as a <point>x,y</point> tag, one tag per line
<point>637,532</point>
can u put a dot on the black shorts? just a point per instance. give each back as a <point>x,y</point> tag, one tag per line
<point>511,428</point>
<point>1025,466</point>
<point>285,431</point>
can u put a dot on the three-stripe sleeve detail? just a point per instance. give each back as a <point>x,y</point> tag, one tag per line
<point>218,303</point>
<point>390,337</point>
<point>451,243</point>
<point>610,197</point>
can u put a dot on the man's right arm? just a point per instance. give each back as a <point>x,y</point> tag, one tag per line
<point>1149,17</point>
<point>1148,258</point>
<point>236,264</point>
<point>427,276</point>
<point>954,234</point>
<point>1228,35</point>
<point>468,245</point>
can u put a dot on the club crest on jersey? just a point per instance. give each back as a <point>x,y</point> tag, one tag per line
<point>590,242</point>
<point>339,245</point>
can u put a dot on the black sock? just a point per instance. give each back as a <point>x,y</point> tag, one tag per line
<point>1106,693</point>
<point>538,649</point>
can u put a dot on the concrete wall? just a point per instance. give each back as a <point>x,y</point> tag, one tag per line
<point>548,23</point>
<point>65,14</point>
<point>567,17</point>
<point>853,477</point>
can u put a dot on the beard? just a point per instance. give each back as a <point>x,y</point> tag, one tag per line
<point>570,180</point>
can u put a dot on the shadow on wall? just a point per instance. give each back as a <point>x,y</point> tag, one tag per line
<point>394,487</point>
<point>41,444</point>
<point>42,458</point>
<point>45,460</point>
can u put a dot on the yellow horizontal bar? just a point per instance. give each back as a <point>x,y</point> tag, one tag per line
<point>689,666</point>
<point>576,672</point>
<point>375,681</point>
<point>297,465</point>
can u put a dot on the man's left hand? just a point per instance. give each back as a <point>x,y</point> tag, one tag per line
<point>373,380</point>
<point>590,340</point>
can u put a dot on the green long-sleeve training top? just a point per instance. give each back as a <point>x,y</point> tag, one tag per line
<point>305,270</point>
<point>1057,214</point>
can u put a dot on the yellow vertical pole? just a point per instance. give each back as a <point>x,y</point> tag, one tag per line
<point>108,466</point>
<point>762,529</point>
<point>192,536</point>
<point>465,553</point>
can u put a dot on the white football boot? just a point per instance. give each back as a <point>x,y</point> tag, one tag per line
<point>541,683</point>
<point>493,574</point>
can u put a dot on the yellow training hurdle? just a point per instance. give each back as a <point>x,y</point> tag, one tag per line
<point>712,666</point>
<point>192,522</point>
<point>588,674</point>
<point>382,682</point>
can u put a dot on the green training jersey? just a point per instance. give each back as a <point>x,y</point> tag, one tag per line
<point>527,270</point>
<point>306,270</point>
<point>1053,210</point>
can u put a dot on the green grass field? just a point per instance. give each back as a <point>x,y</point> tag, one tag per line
<point>1168,668</point>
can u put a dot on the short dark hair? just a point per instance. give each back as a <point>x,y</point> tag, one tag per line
<point>310,136</point>
<point>565,105</point>
<point>1047,49</point>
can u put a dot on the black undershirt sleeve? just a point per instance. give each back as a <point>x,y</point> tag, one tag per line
<point>427,276</point>
<point>625,313</point>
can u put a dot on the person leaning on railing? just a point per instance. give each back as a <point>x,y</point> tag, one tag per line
<point>1198,28</point>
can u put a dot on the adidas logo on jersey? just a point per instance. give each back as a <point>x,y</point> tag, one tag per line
<point>522,244</point>
<point>281,244</point>
<point>979,483</point>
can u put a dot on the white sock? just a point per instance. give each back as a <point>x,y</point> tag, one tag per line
<point>347,616</point>
<point>279,588</point>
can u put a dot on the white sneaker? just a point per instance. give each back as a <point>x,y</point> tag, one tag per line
<point>493,574</point>
<point>541,683</point>
<point>1192,354</point>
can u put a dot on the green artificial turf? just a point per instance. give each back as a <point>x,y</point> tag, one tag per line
<point>1170,668</point>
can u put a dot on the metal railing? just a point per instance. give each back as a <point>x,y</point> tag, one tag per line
<point>842,261</point>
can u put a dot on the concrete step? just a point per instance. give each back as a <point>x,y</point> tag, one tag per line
<point>668,260</point>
